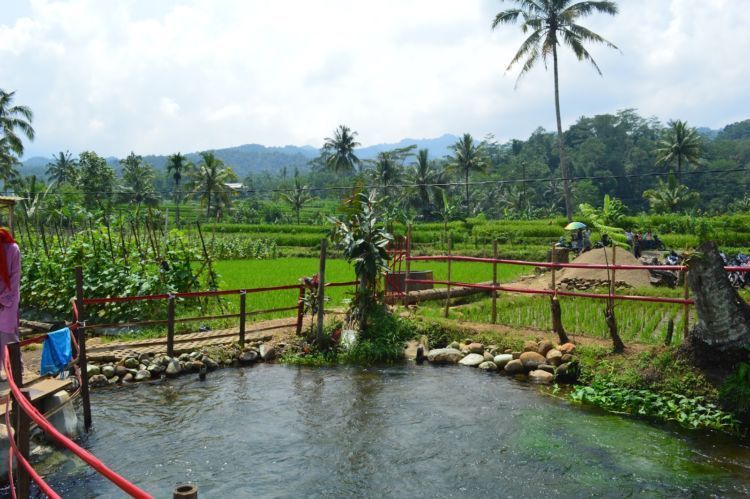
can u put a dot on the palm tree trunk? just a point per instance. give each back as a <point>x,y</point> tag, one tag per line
<point>467,189</point>
<point>177,204</point>
<point>561,147</point>
<point>679,169</point>
<point>208,204</point>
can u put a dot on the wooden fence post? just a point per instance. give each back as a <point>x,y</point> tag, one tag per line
<point>448,295</point>
<point>81,338</point>
<point>613,284</point>
<point>170,326</point>
<point>243,305</point>
<point>321,288</point>
<point>686,308</point>
<point>300,308</point>
<point>408,265</point>
<point>494,282</point>
<point>21,422</point>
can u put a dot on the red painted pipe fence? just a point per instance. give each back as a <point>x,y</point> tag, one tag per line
<point>549,292</point>
<point>459,258</point>
<point>197,294</point>
<point>27,407</point>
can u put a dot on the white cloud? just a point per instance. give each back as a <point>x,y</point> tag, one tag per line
<point>156,77</point>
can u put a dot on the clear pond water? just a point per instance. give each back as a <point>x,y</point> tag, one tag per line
<point>401,431</point>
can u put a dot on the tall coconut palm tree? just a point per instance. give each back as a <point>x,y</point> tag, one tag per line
<point>423,176</point>
<point>177,164</point>
<point>388,167</point>
<point>138,182</point>
<point>8,163</point>
<point>298,197</point>
<point>62,169</point>
<point>209,179</point>
<point>551,22</point>
<point>681,145</point>
<point>338,151</point>
<point>12,119</point>
<point>468,156</point>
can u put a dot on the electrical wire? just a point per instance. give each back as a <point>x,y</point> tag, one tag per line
<point>251,191</point>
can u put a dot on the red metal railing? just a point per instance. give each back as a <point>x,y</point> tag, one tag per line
<point>21,403</point>
<point>549,292</point>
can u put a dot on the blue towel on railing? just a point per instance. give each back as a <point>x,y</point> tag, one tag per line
<point>56,352</point>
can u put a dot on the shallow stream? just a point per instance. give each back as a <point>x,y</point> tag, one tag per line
<point>401,431</point>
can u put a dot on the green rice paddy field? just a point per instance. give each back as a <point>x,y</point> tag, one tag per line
<point>246,274</point>
<point>643,322</point>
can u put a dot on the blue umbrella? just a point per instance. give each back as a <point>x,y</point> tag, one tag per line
<point>575,226</point>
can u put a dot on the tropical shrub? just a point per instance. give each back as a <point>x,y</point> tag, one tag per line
<point>364,241</point>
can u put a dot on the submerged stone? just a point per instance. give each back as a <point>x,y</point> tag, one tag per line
<point>539,376</point>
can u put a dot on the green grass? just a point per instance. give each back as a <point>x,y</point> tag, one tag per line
<point>642,322</point>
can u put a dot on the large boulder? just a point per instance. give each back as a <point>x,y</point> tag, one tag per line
<point>566,348</point>
<point>532,360</point>
<point>488,366</point>
<point>98,380</point>
<point>546,367</point>
<point>92,370</point>
<point>472,360</point>
<point>445,355</point>
<point>108,370</point>
<point>515,366</point>
<point>4,453</point>
<point>475,348</point>
<point>488,356</point>
<point>530,346</point>
<point>173,368</point>
<point>544,346</point>
<point>249,357</point>
<point>568,372</point>
<point>131,363</point>
<point>539,376</point>
<point>502,359</point>
<point>142,375</point>
<point>554,357</point>
<point>267,352</point>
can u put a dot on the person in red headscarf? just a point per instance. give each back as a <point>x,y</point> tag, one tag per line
<point>10,293</point>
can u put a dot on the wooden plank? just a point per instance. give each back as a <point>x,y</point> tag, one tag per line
<point>38,390</point>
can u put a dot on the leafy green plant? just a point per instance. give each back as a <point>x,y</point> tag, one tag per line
<point>690,412</point>
<point>363,241</point>
<point>735,391</point>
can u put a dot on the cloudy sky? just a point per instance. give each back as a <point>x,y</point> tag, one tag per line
<point>167,75</point>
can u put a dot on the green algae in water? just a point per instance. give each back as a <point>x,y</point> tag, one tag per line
<point>627,456</point>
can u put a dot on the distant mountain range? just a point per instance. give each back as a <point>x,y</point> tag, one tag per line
<point>256,158</point>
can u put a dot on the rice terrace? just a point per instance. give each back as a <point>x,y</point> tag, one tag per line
<point>547,296</point>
